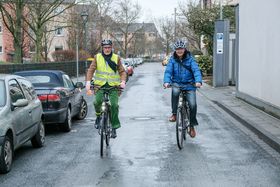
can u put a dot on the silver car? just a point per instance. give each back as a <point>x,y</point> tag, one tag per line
<point>21,116</point>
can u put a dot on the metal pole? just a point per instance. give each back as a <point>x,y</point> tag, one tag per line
<point>221,10</point>
<point>77,55</point>
<point>175,23</point>
<point>85,43</point>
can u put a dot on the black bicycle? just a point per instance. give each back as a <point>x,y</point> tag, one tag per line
<point>182,118</point>
<point>105,121</point>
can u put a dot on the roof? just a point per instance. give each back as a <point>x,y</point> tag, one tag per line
<point>148,27</point>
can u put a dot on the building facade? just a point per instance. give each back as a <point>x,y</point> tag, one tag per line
<point>259,67</point>
<point>55,37</point>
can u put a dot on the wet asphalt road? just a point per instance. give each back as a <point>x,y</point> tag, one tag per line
<point>145,153</point>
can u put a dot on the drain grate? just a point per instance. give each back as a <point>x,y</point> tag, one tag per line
<point>142,118</point>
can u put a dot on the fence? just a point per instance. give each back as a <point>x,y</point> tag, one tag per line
<point>68,67</point>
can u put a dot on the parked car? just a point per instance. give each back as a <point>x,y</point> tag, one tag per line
<point>61,99</point>
<point>21,116</point>
<point>166,60</point>
<point>128,67</point>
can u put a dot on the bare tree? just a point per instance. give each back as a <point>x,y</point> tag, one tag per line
<point>99,19</point>
<point>12,13</point>
<point>167,31</point>
<point>102,20</point>
<point>184,28</point>
<point>125,14</point>
<point>42,12</point>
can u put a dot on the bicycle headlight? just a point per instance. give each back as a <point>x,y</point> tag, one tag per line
<point>180,100</point>
<point>103,107</point>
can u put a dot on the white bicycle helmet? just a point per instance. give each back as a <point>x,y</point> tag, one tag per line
<point>180,44</point>
<point>106,42</point>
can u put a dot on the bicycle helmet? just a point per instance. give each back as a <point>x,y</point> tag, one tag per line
<point>180,44</point>
<point>106,42</point>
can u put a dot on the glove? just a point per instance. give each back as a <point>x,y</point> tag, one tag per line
<point>166,85</point>
<point>88,85</point>
<point>122,84</point>
<point>198,84</point>
<point>89,92</point>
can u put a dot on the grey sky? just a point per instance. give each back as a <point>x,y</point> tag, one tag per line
<point>157,8</point>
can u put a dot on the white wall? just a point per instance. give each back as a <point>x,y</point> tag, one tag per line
<point>259,49</point>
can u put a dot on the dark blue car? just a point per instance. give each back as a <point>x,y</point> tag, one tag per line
<point>61,99</point>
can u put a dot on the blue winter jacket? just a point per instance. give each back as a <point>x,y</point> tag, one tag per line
<point>176,73</point>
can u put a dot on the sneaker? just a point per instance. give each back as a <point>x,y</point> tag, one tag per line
<point>192,132</point>
<point>114,133</point>
<point>172,118</point>
<point>97,122</point>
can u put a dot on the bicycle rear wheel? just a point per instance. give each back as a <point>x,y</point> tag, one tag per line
<point>108,129</point>
<point>180,128</point>
<point>102,132</point>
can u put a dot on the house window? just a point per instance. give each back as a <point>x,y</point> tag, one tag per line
<point>32,48</point>
<point>58,31</point>
<point>57,48</point>
<point>151,34</point>
<point>1,49</point>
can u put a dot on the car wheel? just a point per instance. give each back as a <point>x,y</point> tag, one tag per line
<point>6,155</point>
<point>83,110</point>
<point>39,139</point>
<point>67,125</point>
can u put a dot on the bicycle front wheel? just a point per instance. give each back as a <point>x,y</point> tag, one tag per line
<point>102,132</point>
<point>108,129</point>
<point>180,128</point>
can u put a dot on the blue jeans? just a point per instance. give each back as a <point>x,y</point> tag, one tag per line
<point>191,98</point>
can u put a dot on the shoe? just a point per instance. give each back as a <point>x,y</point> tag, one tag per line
<point>192,132</point>
<point>172,118</point>
<point>114,133</point>
<point>97,122</point>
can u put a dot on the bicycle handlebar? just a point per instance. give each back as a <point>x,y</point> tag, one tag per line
<point>191,83</point>
<point>173,85</point>
<point>110,88</point>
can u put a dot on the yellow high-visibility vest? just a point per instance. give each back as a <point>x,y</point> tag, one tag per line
<point>104,73</point>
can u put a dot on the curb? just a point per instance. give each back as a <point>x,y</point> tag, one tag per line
<point>268,138</point>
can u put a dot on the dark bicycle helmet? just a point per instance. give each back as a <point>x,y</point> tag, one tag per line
<point>106,42</point>
<point>180,44</point>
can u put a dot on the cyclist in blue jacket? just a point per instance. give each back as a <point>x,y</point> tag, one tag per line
<point>183,71</point>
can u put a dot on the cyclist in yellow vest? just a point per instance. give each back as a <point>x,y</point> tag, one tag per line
<point>108,72</point>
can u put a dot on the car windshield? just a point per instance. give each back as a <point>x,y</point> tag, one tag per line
<point>2,94</point>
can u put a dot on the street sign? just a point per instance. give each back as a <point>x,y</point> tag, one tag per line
<point>220,43</point>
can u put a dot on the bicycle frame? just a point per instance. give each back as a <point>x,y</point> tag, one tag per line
<point>183,103</point>
<point>105,127</point>
<point>182,118</point>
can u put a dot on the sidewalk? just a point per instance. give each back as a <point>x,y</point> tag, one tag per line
<point>265,126</point>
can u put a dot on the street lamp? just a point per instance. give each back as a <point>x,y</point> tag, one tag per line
<point>84,16</point>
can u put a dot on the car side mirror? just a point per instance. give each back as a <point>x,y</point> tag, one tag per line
<point>20,103</point>
<point>79,85</point>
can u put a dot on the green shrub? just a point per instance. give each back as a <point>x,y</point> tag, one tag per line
<point>63,55</point>
<point>205,63</point>
<point>196,52</point>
